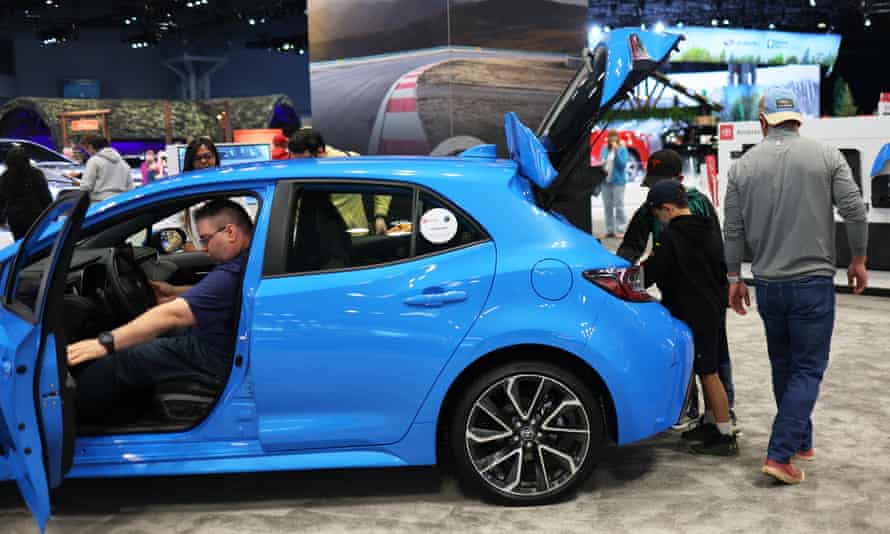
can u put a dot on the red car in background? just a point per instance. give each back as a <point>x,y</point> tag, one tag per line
<point>638,145</point>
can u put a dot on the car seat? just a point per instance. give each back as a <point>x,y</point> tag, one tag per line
<point>322,241</point>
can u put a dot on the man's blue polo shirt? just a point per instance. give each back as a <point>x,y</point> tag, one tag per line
<point>213,302</point>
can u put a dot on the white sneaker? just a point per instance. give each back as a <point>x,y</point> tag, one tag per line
<point>685,423</point>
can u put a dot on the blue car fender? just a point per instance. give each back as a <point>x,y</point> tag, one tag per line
<point>564,326</point>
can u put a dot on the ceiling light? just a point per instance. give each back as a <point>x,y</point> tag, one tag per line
<point>726,22</point>
<point>867,22</point>
<point>714,22</point>
<point>594,35</point>
<point>252,22</point>
<point>659,27</point>
<point>822,25</point>
<point>681,24</point>
<point>812,3</point>
<point>772,26</point>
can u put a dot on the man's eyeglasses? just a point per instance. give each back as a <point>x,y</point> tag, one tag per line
<point>204,240</point>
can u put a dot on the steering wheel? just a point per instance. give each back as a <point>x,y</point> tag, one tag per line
<point>128,284</point>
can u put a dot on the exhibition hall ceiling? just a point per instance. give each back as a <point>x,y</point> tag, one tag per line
<point>65,18</point>
<point>150,20</point>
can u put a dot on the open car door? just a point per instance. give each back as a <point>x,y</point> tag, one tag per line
<point>624,58</point>
<point>36,392</point>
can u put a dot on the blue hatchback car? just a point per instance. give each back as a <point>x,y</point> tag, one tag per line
<point>480,325</point>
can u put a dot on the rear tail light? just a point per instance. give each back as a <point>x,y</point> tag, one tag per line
<point>626,283</point>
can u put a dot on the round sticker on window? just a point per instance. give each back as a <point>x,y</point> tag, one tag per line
<point>438,226</point>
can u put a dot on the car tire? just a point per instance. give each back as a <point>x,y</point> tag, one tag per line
<point>554,440</point>
<point>453,146</point>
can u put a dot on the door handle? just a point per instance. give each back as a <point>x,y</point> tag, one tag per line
<point>435,300</point>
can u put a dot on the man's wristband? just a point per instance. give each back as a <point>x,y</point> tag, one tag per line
<point>734,278</point>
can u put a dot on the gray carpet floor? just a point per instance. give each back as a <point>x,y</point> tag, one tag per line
<point>653,486</point>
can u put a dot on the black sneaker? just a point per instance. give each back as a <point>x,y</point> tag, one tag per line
<point>702,432</point>
<point>721,445</point>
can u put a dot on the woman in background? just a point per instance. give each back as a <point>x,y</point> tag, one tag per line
<point>614,157</point>
<point>149,167</point>
<point>200,154</point>
<point>23,191</point>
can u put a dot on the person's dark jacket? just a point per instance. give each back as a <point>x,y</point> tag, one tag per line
<point>24,195</point>
<point>689,268</point>
<point>644,223</point>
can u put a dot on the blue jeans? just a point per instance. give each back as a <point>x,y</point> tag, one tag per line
<point>119,387</point>
<point>613,203</point>
<point>799,318</point>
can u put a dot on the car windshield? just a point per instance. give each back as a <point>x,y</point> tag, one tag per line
<point>36,153</point>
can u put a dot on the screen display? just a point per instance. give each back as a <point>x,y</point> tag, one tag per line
<point>80,88</point>
<point>235,154</point>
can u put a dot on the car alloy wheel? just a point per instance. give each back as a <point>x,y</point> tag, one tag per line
<point>530,436</point>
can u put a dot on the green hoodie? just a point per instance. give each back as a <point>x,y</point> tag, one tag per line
<point>645,223</point>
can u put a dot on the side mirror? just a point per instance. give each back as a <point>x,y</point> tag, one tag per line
<point>168,240</point>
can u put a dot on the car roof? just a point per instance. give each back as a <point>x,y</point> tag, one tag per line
<point>433,172</point>
<point>14,140</point>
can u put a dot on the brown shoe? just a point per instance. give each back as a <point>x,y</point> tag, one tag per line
<point>806,456</point>
<point>786,473</point>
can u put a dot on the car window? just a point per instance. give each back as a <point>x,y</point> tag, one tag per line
<point>854,160</point>
<point>346,226</point>
<point>442,227</point>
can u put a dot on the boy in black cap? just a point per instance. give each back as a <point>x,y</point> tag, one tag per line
<point>667,165</point>
<point>688,265</point>
<point>663,165</point>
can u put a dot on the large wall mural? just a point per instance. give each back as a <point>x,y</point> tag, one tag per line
<point>415,76</point>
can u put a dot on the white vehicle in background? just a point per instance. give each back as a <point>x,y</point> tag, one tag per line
<point>864,142</point>
<point>55,166</point>
<point>135,162</point>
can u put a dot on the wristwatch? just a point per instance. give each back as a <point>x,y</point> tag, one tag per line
<point>107,341</point>
<point>733,278</point>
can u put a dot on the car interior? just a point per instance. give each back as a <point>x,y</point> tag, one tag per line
<point>107,285</point>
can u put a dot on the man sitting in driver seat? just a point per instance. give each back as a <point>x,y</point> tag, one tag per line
<point>117,372</point>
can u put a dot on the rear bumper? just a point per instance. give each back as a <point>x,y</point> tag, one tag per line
<point>649,365</point>
<point>668,394</point>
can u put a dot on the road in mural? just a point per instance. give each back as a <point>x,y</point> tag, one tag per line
<point>411,76</point>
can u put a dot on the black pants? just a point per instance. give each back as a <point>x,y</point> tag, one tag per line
<point>119,387</point>
<point>724,371</point>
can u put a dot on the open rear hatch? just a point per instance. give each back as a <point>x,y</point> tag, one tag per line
<point>556,158</point>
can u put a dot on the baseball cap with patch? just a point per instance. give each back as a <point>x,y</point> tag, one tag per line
<point>663,165</point>
<point>781,105</point>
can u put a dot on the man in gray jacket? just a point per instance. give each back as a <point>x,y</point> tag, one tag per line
<point>780,200</point>
<point>106,174</point>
